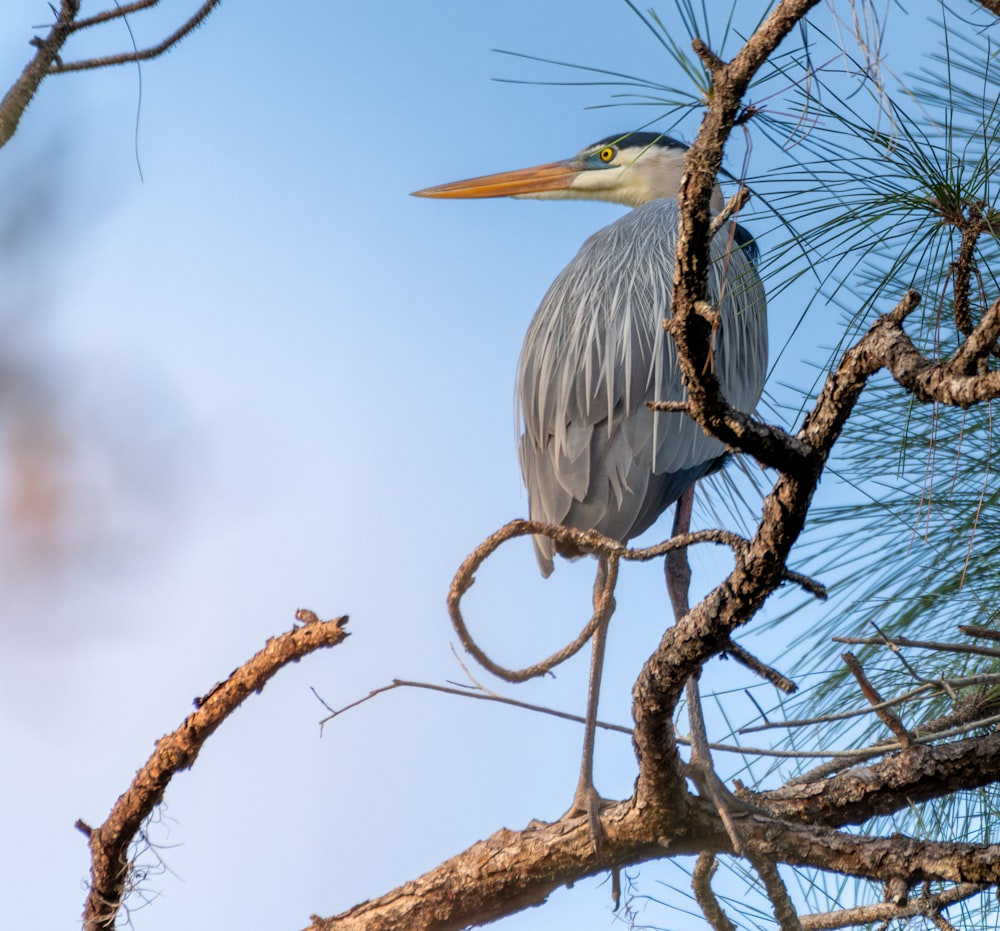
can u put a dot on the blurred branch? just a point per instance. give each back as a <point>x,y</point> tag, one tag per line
<point>48,51</point>
<point>124,58</point>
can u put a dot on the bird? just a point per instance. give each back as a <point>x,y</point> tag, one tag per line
<point>593,455</point>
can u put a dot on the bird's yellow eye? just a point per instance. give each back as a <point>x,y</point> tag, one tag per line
<point>606,154</point>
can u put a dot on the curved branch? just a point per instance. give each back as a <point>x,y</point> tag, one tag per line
<point>579,540</point>
<point>178,750</point>
<point>701,884</point>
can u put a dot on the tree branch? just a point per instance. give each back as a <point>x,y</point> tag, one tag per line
<point>909,777</point>
<point>109,843</point>
<point>21,92</point>
<point>885,912</point>
<point>154,51</point>
<point>46,59</point>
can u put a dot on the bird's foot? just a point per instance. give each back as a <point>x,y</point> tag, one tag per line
<point>587,802</point>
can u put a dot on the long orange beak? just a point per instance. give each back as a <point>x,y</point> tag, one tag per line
<point>553,176</point>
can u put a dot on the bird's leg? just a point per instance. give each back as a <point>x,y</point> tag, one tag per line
<point>677,567</point>
<point>700,767</point>
<point>586,801</point>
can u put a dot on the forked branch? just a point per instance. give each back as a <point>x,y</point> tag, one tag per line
<point>47,59</point>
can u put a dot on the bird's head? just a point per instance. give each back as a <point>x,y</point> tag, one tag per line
<point>630,169</point>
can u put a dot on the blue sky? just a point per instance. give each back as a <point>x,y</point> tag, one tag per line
<point>313,373</point>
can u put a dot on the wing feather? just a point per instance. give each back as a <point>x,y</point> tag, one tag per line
<point>592,455</point>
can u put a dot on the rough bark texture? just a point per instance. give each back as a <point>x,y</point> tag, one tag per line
<point>796,824</point>
<point>109,844</point>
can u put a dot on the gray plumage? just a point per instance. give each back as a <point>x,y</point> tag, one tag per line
<point>592,454</point>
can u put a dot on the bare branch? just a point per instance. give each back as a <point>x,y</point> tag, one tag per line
<point>701,883</point>
<point>784,911</point>
<point>922,773</point>
<point>48,51</point>
<point>962,269</point>
<point>154,51</point>
<point>177,751</point>
<point>118,12</point>
<point>976,630</point>
<point>471,693</point>
<point>886,911</point>
<point>745,658</point>
<point>886,715</point>
<point>518,869</point>
<point>938,646</point>
<point>21,92</point>
<point>735,203</point>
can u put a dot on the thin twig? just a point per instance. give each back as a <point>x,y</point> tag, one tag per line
<point>117,12</point>
<point>463,693</point>
<point>154,51</point>
<point>937,645</point>
<point>930,689</point>
<point>885,714</point>
<point>851,756</point>
<point>735,203</point>
<point>886,911</point>
<point>977,630</point>
<point>745,658</point>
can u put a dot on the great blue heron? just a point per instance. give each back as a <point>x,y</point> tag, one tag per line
<point>593,455</point>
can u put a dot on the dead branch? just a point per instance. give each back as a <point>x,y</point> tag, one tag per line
<point>124,58</point>
<point>976,630</point>
<point>885,714</point>
<point>747,659</point>
<point>48,51</point>
<point>477,692</point>
<point>109,843</point>
<point>118,12</point>
<point>919,774</point>
<point>470,692</point>
<point>784,911</point>
<point>885,911</point>
<point>938,646</point>
<point>584,541</point>
<point>701,884</point>
<point>732,206</point>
